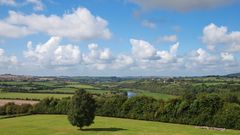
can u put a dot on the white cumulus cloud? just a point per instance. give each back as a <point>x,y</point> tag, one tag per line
<point>37,4</point>
<point>67,55</point>
<point>52,53</point>
<point>7,61</point>
<point>123,61</point>
<point>8,2</point>
<point>142,49</point>
<point>201,56</point>
<point>214,36</point>
<point>97,58</point>
<point>227,57</point>
<point>12,31</point>
<point>148,57</point>
<point>79,25</point>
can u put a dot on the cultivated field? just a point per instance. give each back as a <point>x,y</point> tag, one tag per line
<point>18,102</point>
<point>59,125</point>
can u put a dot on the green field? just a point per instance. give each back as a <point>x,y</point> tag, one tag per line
<point>81,86</point>
<point>13,95</point>
<point>150,94</point>
<point>52,83</point>
<point>66,90</point>
<point>14,83</point>
<point>59,125</point>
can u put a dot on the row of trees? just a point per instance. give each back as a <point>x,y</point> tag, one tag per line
<point>29,87</point>
<point>202,109</point>
<point>180,87</point>
<point>12,109</point>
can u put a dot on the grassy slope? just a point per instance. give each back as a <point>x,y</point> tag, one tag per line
<point>59,125</point>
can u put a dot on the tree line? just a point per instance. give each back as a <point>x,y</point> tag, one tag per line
<point>202,109</point>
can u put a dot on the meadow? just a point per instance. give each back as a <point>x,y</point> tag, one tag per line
<point>59,125</point>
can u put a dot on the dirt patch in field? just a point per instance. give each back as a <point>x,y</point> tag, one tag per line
<point>18,102</point>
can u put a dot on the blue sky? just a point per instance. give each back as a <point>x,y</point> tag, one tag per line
<point>119,37</point>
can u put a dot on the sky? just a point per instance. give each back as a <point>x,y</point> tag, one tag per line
<point>119,37</point>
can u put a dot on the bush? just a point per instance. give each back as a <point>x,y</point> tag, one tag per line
<point>228,116</point>
<point>140,108</point>
<point>110,106</point>
<point>12,108</point>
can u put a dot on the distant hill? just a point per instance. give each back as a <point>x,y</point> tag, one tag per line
<point>10,77</point>
<point>234,75</point>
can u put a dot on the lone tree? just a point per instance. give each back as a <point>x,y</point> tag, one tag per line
<point>82,109</point>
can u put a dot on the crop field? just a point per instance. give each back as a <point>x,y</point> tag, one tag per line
<point>59,125</point>
<point>18,102</point>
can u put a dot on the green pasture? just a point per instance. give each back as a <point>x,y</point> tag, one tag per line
<point>59,125</point>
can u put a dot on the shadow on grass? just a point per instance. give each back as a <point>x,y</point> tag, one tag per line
<point>104,129</point>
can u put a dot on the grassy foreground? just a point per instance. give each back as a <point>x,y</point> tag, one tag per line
<point>59,125</point>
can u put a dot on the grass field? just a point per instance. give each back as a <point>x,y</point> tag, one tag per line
<point>59,125</point>
<point>52,83</point>
<point>150,94</point>
<point>66,90</point>
<point>81,86</point>
<point>13,95</point>
<point>14,83</point>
